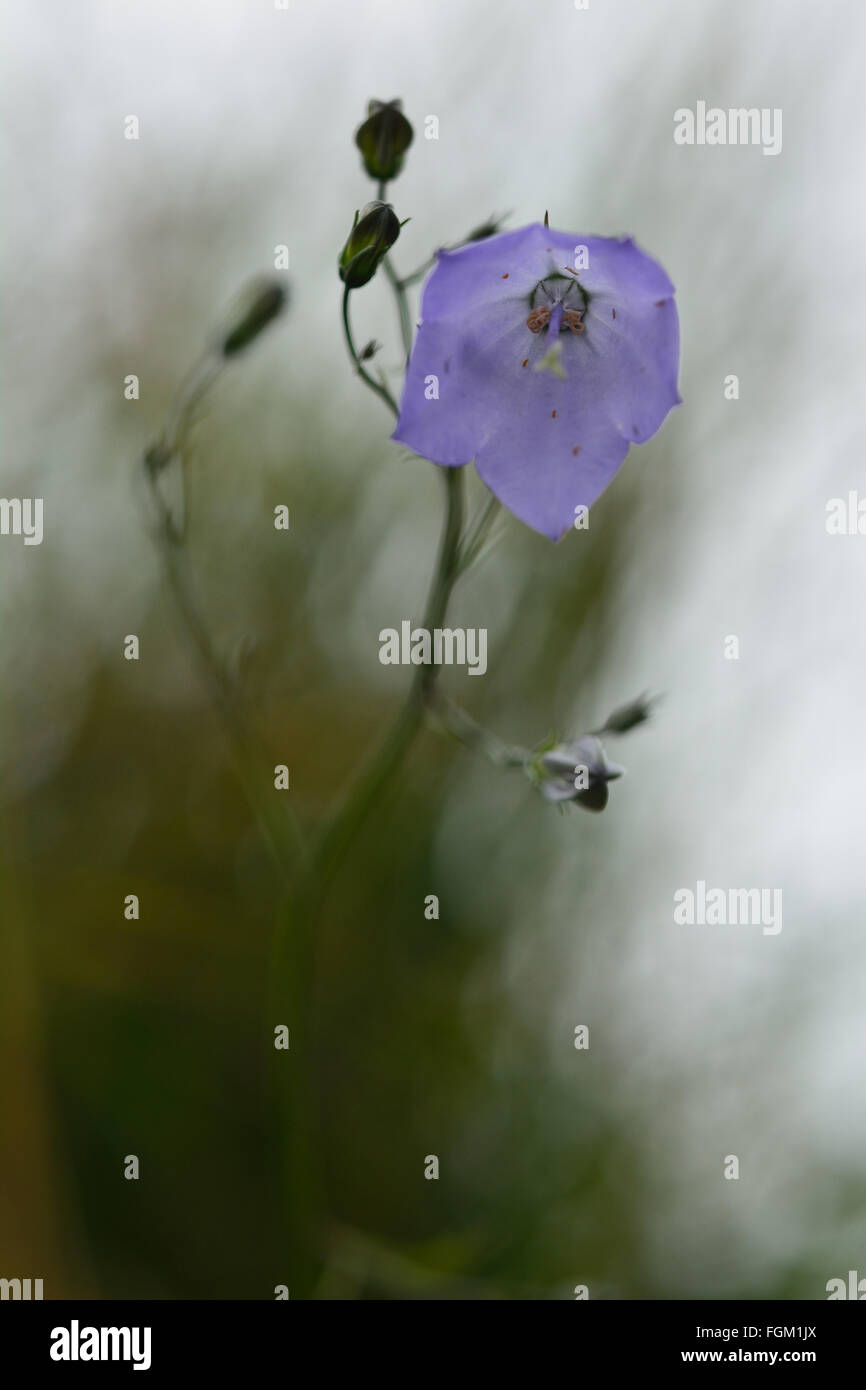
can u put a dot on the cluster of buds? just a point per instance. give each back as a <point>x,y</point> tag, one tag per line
<point>383,139</point>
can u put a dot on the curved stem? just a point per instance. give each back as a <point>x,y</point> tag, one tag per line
<point>279,826</point>
<point>380,388</point>
<point>342,827</point>
<point>280,832</point>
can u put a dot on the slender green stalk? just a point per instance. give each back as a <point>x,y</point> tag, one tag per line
<point>279,829</point>
<point>293,965</point>
<point>472,735</point>
<point>277,822</point>
<point>293,968</point>
<point>402,305</point>
<point>399,288</point>
<point>380,388</point>
<point>290,1001</point>
<point>418,274</point>
<point>342,827</point>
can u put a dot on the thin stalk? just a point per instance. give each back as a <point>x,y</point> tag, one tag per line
<point>380,388</point>
<point>343,826</point>
<point>472,735</point>
<point>280,832</point>
<point>402,305</point>
<point>293,964</point>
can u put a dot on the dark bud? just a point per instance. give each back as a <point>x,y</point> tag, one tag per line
<point>374,232</point>
<point>629,716</point>
<point>256,307</point>
<point>383,139</point>
<point>369,350</point>
<point>492,227</point>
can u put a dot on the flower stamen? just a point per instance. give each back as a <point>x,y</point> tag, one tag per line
<point>538,319</point>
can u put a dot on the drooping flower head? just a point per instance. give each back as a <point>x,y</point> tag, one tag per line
<point>543,356</point>
<point>578,771</point>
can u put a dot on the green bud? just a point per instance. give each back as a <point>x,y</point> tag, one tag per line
<point>492,227</point>
<point>383,139</point>
<point>257,305</point>
<point>373,233</point>
<point>629,716</point>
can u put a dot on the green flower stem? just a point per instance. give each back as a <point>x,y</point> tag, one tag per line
<point>379,387</point>
<point>471,734</point>
<point>277,822</point>
<point>294,1073</point>
<point>415,275</point>
<point>399,288</point>
<point>341,828</point>
<point>293,965</point>
<point>402,305</point>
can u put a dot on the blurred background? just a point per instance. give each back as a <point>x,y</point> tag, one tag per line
<point>452,1037</point>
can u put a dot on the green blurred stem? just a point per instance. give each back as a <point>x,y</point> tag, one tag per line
<point>379,387</point>
<point>363,795</point>
<point>415,275</point>
<point>402,305</point>
<point>277,822</point>
<point>293,965</point>
<point>472,735</point>
<point>399,288</point>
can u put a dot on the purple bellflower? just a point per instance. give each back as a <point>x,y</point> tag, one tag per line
<point>543,356</point>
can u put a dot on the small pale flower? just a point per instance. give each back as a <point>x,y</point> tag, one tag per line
<point>577,771</point>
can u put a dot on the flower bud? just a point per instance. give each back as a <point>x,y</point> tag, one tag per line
<point>373,233</point>
<point>627,717</point>
<point>257,305</point>
<point>492,227</point>
<point>383,139</point>
<point>577,771</point>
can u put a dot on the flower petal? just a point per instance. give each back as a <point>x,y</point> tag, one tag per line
<point>547,415</point>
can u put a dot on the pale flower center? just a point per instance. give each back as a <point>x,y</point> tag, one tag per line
<point>560,298</point>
